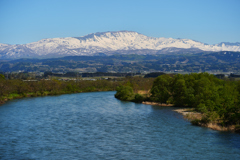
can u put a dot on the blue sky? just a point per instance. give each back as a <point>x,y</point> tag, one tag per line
<point>207,21</point>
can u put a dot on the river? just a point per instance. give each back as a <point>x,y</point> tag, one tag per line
<point>97,126</point>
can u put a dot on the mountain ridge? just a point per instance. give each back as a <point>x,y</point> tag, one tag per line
<point>108,43</point>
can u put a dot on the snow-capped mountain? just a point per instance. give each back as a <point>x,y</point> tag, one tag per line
<point>108,43</point>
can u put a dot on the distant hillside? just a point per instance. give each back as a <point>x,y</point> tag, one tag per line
<point>201,62</point>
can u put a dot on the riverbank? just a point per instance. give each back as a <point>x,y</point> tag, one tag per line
<point>196,117</point>
<point>157,104</point>
<point>38,94</point>
<point>15,89</point>
<point>19,96</point>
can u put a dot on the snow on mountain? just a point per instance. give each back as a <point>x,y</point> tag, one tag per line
<point>106,42</point>
<point>229,44</point>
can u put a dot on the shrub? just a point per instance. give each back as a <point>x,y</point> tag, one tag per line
<point>125,93</point>
<point>195,122</point>
<point>138,98</point>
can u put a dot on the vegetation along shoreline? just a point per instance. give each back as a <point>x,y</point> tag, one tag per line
<point>214,103</point>
<point>195,118</point>
<point>17,88</point>
<point>210,102</point>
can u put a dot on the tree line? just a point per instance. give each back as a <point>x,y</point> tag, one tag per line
<point>218,100</point>
<point>16,88</point>
<point>10,89</point>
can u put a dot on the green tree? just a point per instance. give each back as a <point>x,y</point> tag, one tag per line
<point>206,94</point>
<point>125,93</point>
<point>229,109</point>
<point>161,89</point>
<point>138,98</point>
<point>179,90</point>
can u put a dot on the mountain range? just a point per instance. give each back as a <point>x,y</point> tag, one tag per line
<point>109,43</point>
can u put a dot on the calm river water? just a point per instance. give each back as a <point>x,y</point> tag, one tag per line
<point>97,126</point>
